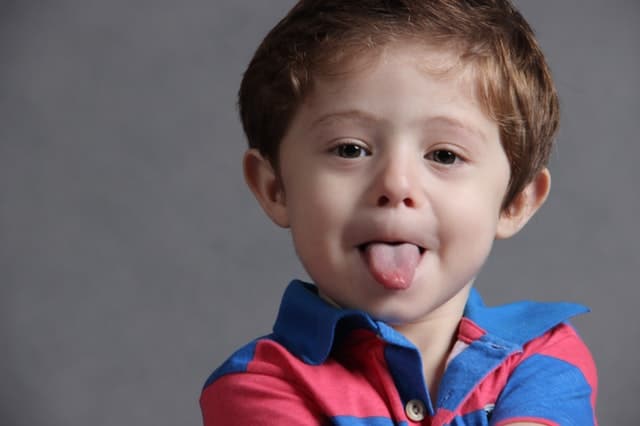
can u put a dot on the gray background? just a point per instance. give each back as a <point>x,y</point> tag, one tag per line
<point>133,259</point>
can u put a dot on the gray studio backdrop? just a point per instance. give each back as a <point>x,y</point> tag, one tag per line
<point>133,259</point>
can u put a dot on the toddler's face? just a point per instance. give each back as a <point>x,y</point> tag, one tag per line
<point>393,179</point>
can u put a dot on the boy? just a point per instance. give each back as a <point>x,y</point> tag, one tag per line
<point>396,140</point>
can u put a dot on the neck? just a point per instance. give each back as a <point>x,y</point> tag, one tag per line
<point>434,337</point>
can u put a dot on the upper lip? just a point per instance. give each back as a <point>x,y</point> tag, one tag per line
<point>391,241</point>
<point>393,230</point>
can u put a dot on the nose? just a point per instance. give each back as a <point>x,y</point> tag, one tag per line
<point>396,184</point>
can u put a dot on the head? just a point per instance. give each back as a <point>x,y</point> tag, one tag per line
<point>397,140</point>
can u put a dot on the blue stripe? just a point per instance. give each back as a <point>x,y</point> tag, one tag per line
<point>237,363</point>
<point>548,388</point>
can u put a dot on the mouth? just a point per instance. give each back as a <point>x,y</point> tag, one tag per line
<point>363,247</point>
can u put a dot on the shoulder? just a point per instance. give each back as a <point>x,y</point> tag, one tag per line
<point>562,350</point>
<point>553,378</point>
<point>261,356</point>
<point>562,343</point>
<point>257,385</point>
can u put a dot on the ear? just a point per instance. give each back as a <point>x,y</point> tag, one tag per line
<point>266,186</point>
<point>523,207</point>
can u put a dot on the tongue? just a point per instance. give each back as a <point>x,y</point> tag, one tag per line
<point>392,265</point>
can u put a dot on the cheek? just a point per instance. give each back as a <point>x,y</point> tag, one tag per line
<point>311,208</point>
<point>318,198</point>
<point>317,215</point>
<point>468,225</point>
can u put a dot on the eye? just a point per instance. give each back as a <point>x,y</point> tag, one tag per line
<point>442,156</point>
<point>350,150</point>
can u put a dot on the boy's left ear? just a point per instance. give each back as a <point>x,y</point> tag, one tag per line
<point>524,205</point>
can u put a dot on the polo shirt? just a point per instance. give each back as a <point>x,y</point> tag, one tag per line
<point>326,365</point>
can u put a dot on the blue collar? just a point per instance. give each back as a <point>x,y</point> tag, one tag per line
<point>519,322</point>
<point>307,325</point>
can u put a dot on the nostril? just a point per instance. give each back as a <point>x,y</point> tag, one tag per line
<point>409,202</point>
<point>383,201</point>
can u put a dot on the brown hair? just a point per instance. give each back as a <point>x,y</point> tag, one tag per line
<point>514,83</point>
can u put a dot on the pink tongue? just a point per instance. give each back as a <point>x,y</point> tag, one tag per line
<point>393,265</point>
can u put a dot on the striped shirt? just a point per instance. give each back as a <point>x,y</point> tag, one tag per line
<point>328,366</point>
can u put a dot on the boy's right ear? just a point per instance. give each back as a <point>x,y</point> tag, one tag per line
<point>266,186</point>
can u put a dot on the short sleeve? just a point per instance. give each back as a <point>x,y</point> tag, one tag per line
<point>555,384</point>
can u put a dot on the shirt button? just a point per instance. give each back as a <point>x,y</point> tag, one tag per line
<point>415,410</point>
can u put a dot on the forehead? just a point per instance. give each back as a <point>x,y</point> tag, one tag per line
<point>440,62</point>
<point>446,59</point>
<point>430,80</point>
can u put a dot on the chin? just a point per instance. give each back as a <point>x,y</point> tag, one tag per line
<point>397,313</point>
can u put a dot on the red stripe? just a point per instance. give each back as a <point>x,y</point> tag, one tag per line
<point>468,331</point>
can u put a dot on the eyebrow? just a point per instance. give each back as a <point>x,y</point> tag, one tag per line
<point>369,118</point>
<point>349,115</point>
<point>457,124</point>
